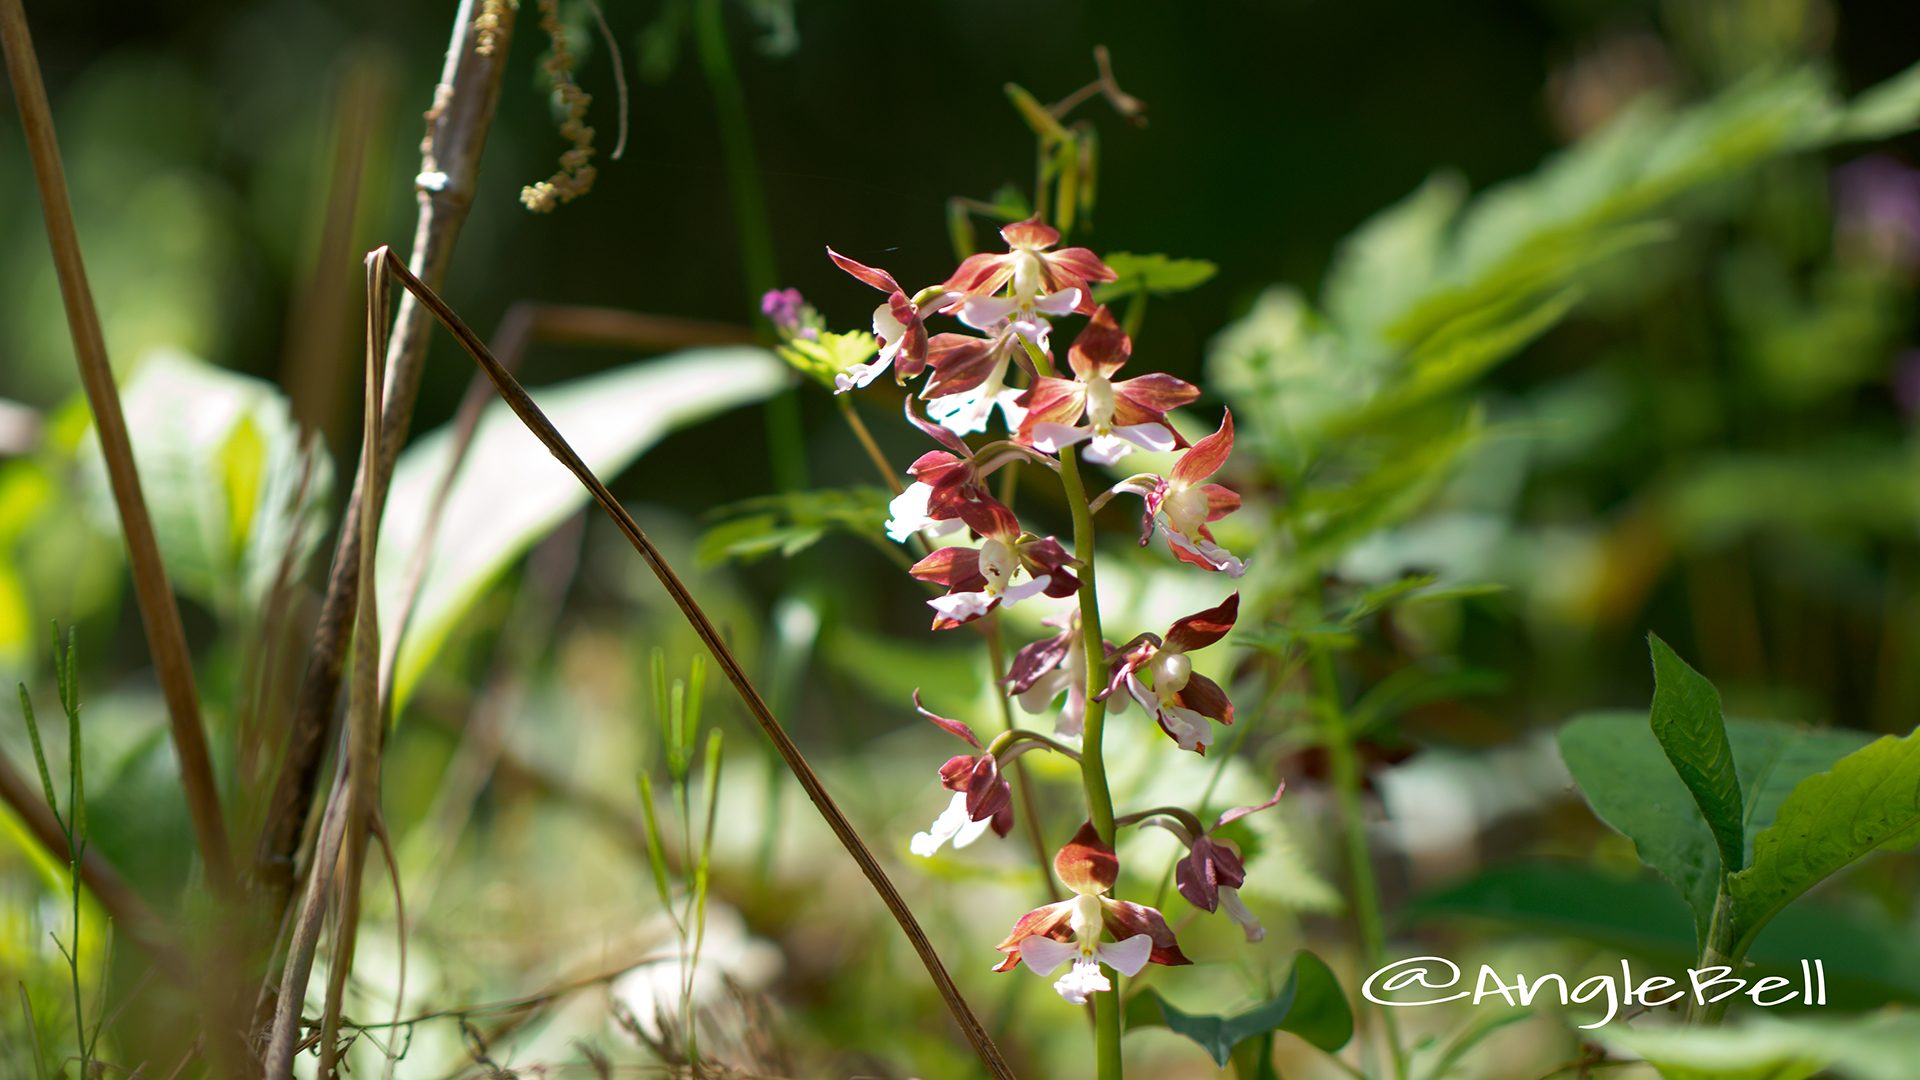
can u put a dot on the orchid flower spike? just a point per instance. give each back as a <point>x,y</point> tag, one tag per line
<point>1073,929</point>
<point>1115,413</point>
<point>981,579</point>
<point>1158,674</point>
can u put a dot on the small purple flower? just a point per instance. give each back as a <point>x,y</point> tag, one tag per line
<point>787,310</point>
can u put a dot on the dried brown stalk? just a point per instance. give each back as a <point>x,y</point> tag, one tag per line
<point>173,665</point>
<point>536,421</point>
<point>458,122</point>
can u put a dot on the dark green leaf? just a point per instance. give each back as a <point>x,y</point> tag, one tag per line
<point>1686,719</point>
<point>1310,1005</point>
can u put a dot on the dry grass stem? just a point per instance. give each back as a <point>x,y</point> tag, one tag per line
<point>173,664</point>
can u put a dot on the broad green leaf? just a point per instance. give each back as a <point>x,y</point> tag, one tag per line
<point>1869,799</point>
<point>511,491</point>
<point>1154,275</point>
<point>1686,719</point>
<point>1627,781</point>
<point>1310,1005</point>
<point>1881,1046</point>
<point>232,486</point>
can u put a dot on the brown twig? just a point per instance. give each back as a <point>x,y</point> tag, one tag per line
<point>536,421</point>
<point>462,113</point>
<point>173,665</point>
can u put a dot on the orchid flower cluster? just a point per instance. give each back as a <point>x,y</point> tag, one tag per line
<point>981,558</point>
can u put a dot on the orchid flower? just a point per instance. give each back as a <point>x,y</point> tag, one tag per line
<point>1045,669</point>
<point>1116,413</point>
<point>982,797</point>
<point>1211,875</point>
<point>1071,930</point>
<point>1181,505</point>
<point>980,579</point>
<point>1158,674</point>
<point>899,323</point>
<point>944,480</point>
<point>970,380</point>
<point>1038,274</point>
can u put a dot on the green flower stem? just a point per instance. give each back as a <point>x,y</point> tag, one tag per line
<point>1093,766</point>
<point>1347,780</point>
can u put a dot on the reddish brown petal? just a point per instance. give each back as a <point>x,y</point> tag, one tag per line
<point>1205,697</point>
<point>1207,455</point>
<point>1087,865</point>
<point>873,276</point>
<point>934,431</point>
<point>956,728</point>
<point>1125,920</point>
<point>1044,556</point>
<point>1221,501</point>
<point>1050,921</point>
<point>1031,233</point>
<point>957,568</point>
<point>989,517</point>
<point>912,358</point>
<point>1051,401</point>
<point>1080,263</point>
<point>1239,812</point>
<point>1203,628</point>
<point>1036,659</point>
<point>1003,820</point>
<point>1145,400</point>
<point>955,773</point>
<point>1061,583</point>
<point>960,363</point>
<point>987,792</point>
<point>979,275</point>
<point>1101,346</point>
<point>1208,868</point>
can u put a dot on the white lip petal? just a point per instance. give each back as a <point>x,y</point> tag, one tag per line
<point>1141,694</point>
<point>1214,555</point>
<point>962,606</point>
<point>1043,954</point>
<point>1082,980</point>
<point>1058,303</point>
<point>1155,437</point>
<point>962,414</point>
<point>1129,956</point>
<point>986,312</point>
<point>1013,594</point>
<point>1236,910</point>
<point>909,512</point>
<point>949,824</point>
<point>1036,698</point>
<point>972,830</point>
<point>1049,437</point>
<point>1106,449</point>
<point>885,326</point>
<point>1188,728</point>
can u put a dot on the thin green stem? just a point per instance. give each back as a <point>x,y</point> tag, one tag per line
<point>1093,766</point>
<point>1023,789</point>
<point>1347,781</point>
